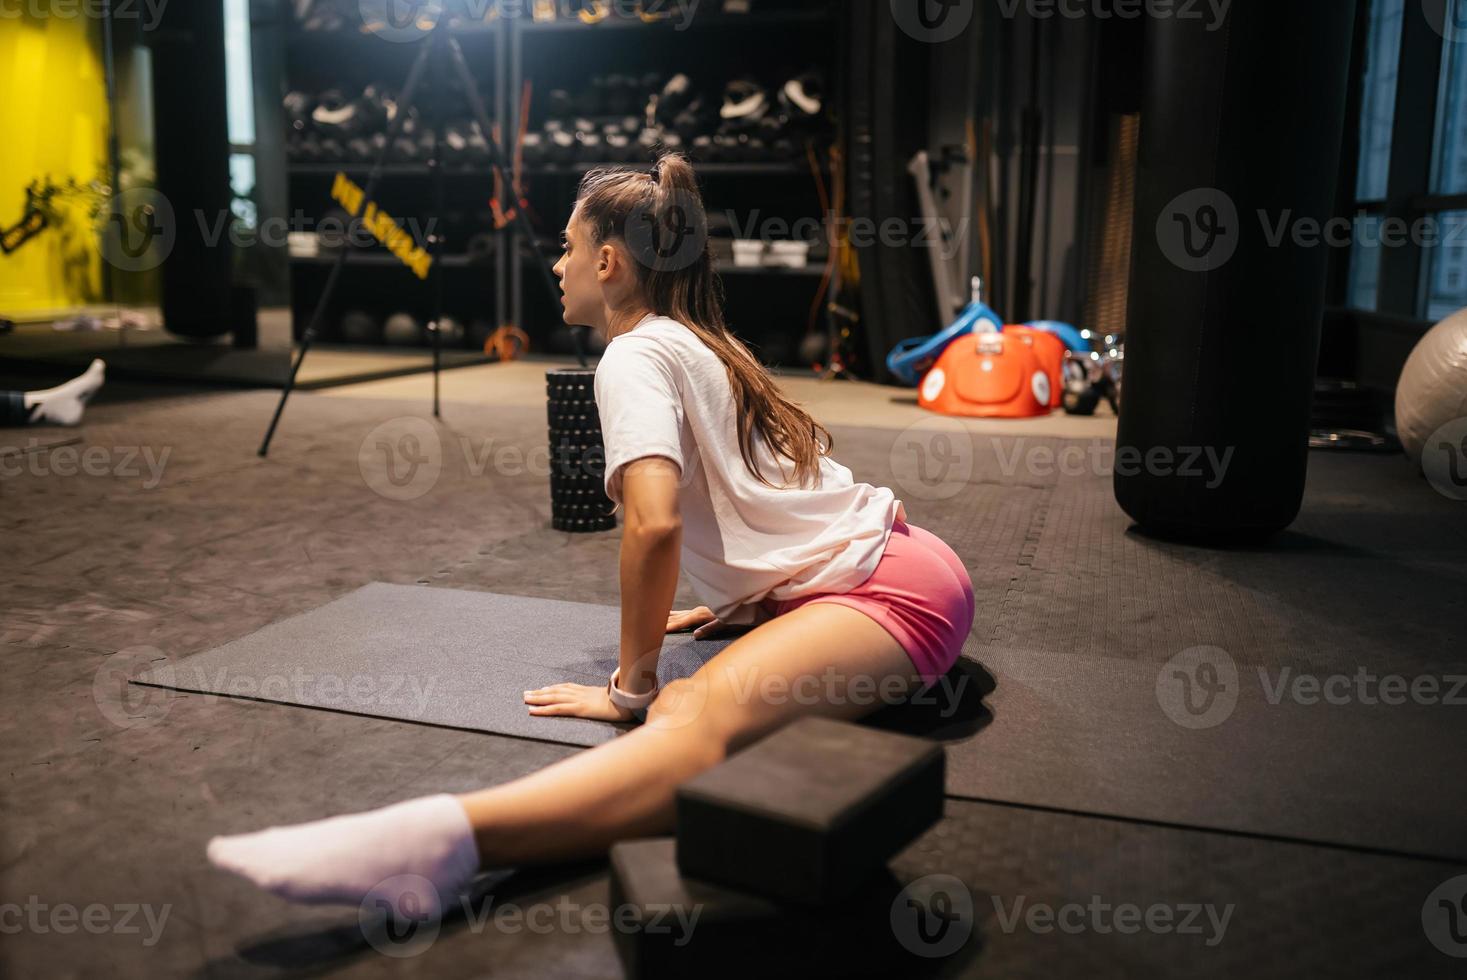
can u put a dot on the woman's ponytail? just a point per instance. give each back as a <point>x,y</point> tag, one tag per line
<point>662,222</point>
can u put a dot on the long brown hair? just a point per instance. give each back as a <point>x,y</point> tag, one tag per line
<point>661,221</point>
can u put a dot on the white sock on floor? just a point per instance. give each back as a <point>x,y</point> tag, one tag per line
<point>64,404</point>
<point>418,855</point>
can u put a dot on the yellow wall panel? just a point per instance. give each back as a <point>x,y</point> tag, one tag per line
<point>54,117</point>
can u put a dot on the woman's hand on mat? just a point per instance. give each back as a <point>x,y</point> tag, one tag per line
<point>701,621</point>
<point>575,701</point>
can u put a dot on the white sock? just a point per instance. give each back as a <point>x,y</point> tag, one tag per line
<point>64,404</point>
<point>416,856</point>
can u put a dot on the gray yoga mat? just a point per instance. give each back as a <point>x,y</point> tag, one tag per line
<point>1071,732</point>
<point>436,656</point>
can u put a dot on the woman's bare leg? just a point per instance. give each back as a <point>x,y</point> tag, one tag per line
<point>820,659</point>
<point>801,663</point>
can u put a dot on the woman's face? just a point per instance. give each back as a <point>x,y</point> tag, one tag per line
<point>580,282</point>
<point>596,282</point>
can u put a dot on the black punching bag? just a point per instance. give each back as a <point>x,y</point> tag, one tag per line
<point>1241,132</point>
<point>192,154</point>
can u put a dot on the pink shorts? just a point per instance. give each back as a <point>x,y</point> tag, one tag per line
<point>920,593</point>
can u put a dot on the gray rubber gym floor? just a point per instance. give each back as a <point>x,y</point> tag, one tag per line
<point>1109,823</point>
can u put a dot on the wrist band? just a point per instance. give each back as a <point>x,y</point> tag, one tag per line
<point>633,702</point>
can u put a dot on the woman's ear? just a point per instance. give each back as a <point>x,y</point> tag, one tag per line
<point>606,261</point>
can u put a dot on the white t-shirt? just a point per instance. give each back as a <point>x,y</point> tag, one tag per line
<point>662,392</point>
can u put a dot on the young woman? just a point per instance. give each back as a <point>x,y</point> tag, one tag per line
<point>721,477</point>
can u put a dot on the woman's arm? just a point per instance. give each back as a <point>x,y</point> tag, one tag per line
<point>650,546</point>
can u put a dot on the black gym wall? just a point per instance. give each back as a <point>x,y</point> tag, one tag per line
<point>886,122</point>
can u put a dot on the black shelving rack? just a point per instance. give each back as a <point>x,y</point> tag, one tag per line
<point>566,53</point>
<point>476,285</point>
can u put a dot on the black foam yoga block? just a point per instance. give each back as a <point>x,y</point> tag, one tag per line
<point>669,925</point>
<point>809,812</point>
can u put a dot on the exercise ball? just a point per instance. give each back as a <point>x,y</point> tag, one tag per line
<point>359,327</point>
<point>450,332</point>
<point>1432,391</point>
<point>402,330</point>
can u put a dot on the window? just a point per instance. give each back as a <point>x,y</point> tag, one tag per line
<point>1364,289</point>
<point>1377,126</point>
<point>1410,251</point>
<point>1449,156</point>
<point>1446,267</point>
<point>1378,105</point>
